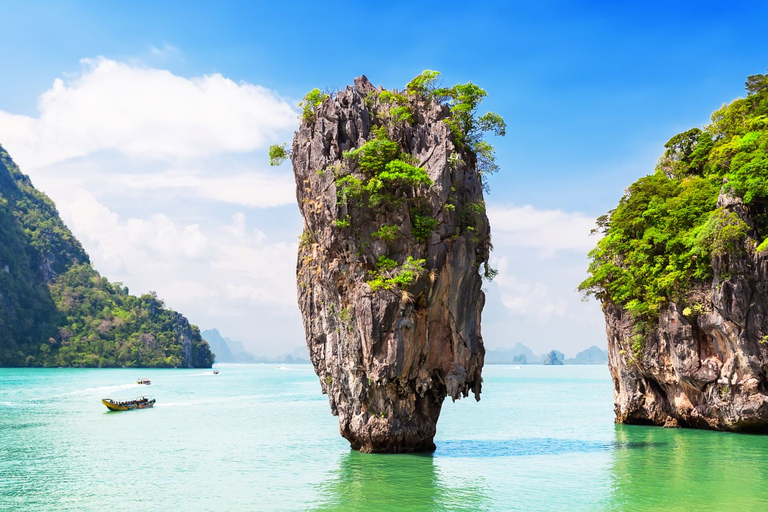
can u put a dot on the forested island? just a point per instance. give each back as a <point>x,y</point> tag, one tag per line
<point>55,308</point>
<point>681,273</point>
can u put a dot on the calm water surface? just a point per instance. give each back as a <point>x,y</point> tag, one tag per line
<point>261,437</point>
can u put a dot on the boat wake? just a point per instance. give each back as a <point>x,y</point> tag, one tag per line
<point>101,390</point>
<point>104,389</point>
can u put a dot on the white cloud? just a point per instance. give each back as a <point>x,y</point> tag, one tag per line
<point>120,244</point>
<point>160,237</point>
<point>145,113</point>
<point>548,231</point>
<point>209,275</point>
<point>237,228</point>
<point>257,190</point>
<point>541,256</point>
<point>145,167</point>
<point>527,298</point>
<point>266,272</point>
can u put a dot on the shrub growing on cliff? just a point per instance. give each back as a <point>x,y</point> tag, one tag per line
<point>278,153</point>
<point>661,237</point>
<point>424,84</point>
<point>422,224</point>
<point>389,275</point>
<point>468,128</point>
<point>310,102</point>
<point>386,171</point>
<point>386,233</point>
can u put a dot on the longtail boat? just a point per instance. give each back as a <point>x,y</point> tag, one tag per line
<point>142,402</point>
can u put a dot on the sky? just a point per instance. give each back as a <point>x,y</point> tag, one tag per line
<point>148,125</point>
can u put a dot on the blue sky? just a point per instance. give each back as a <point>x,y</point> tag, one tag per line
<point>590,91</point>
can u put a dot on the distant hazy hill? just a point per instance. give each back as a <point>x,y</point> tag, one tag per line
<point>56,310</point>
<point>232,351</point>
<point>227,350</point>
<point>555,357</point>
<point>518,354</point>
<point>592,355</point>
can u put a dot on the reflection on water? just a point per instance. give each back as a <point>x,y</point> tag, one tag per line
<point>678,469</point>
<point>518,447</point>
<point>397,482</point>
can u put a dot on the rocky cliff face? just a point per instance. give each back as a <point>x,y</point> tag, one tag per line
<point>389,337</point>
<point>704,365</point>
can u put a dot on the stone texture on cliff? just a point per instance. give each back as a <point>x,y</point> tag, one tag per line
<point>388,358</point>
<point>704,367</point>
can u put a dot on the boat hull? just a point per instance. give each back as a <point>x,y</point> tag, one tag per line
<point>112,406</point>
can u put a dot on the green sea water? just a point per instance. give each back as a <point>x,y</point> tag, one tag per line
<point>261,437</point>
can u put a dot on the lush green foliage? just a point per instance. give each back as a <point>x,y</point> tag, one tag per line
<point>386,171</point>
<point>278,153</point>
<point>467,127</point>
<point>489,273</point>
<point>389,275</point>
<point>374,155</point>
<point>103,325</point>
<point>393,97</point>
<point>310,102</point>
<point>424,84</point>
<point>401,114</point>
<point>402,174</point>
<point>55,309</point>
<point>661,237</point>
<point>342,223</point>
<point>422,224</point>
<point>386,233</point>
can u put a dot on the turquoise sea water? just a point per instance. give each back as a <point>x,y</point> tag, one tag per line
<point>261,437</point>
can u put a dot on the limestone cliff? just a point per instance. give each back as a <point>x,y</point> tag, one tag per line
<point>704,365</point>
<point>388,265</point>
<point>682,274</point>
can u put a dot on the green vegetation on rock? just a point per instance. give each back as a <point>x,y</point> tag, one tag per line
<point>56,310</point>
<point>660,239</point>
<point>381,174</point>
<point>389,275</point>
<point>386,172</point>
<point>278,153</point>
<point>310,102</point>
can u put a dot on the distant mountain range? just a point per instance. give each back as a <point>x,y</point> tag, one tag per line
<point>520,354</point>
<point>232,351</point>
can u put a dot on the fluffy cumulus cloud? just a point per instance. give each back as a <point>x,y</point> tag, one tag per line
<point>146,113</point>
<point>548,247</point>
<point>541,258</point>
<point>547,231</point>
<point>226,275</point>
<point>164,179</point>
<point>529,298</point>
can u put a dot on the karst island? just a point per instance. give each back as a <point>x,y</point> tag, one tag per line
<point>393,253</point>
<point>682,274</point>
